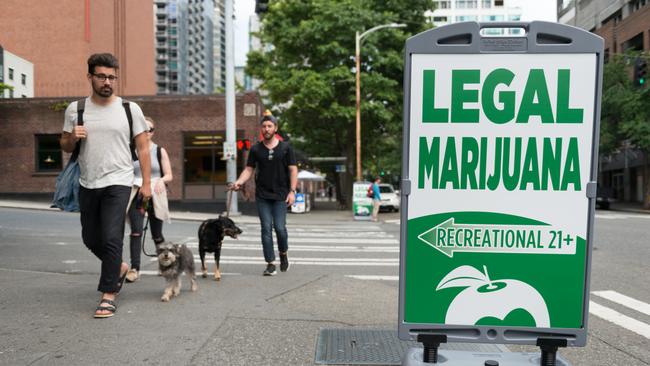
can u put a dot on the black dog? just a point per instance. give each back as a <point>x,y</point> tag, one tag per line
<point>211,234</point>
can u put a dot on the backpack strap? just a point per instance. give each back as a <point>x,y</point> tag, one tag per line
<point>159,156</point>
<point>129,117</point>
<point>81,105</point>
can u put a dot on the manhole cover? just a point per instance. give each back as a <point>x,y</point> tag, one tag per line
<point>374,347</point>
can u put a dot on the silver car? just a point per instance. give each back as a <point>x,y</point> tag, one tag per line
<point>389,198</point>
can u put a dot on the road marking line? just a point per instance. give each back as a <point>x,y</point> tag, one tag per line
<point>626,301</point>
<point>619,319</point>
<point>300,262</point>
<point>359,260</point>
<point>198,273</point>
<point>336,239</point>
<point>374,278</point>
<point>309,248</point>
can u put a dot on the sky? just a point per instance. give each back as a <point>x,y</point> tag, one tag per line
<point>531,10</point>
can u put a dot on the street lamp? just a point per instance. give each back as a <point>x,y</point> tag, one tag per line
<point>357,57</point>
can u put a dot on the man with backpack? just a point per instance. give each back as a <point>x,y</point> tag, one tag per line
<point>104,126</point>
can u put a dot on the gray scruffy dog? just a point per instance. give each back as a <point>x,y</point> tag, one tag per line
<point>174,259</point>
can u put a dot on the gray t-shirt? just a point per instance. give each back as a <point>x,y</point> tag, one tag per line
<point>105,157</point>
<point>156,169</point>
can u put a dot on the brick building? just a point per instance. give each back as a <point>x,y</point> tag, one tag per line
<point>624,26</point>
<point>57,37</point>
<point>191,128</point>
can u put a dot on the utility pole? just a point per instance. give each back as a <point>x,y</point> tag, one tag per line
<point>231,126</point>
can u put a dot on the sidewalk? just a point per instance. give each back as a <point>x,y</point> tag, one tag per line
<point>198,211</point>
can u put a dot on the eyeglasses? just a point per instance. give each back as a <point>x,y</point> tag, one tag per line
<point>150,130</point>
<point>102,77</point>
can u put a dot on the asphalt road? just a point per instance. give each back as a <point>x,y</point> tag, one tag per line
<point>343,275</point>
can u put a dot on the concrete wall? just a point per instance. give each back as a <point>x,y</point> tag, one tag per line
<point>22,119</point>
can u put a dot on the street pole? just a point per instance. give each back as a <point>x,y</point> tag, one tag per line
<point>357,56</point>
<point>231,127</point>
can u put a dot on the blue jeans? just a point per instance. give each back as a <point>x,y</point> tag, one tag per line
<point>274,213</point>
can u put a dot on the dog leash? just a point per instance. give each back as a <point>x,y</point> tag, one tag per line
<point>144,234</point>
<point>228,199</point>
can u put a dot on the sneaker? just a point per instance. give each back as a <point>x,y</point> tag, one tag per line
<point>270,270</point>
<point>132,275</point>
<point>284,262</point>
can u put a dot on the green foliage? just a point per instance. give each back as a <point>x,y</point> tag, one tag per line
<point>308,70</point>
<point>60,106</point>
<point>625,112</point>
<point>4,87</point>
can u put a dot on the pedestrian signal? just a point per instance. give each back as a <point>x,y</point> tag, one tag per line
<point>243,144</point>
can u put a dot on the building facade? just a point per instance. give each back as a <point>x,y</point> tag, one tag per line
<point>624,26</point>
<point>190,46</point>
<point>81,28</point>
<point>456,11</point>
<point>17,73</point>
<point>190,128</point>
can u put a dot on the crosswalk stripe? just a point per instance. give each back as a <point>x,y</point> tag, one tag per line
<point>619,319</point>
<point>334,239</point>
<point>373,277</point>
<point>626,301</point>
<point>364,262</point>
<point>308,259</point>
<point>309,248</point>
<point>198,273</point>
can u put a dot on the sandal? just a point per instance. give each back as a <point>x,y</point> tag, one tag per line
<point>111,309</point>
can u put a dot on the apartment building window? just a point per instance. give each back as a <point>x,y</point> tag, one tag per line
<point>498,2</point>
<point>443,4</point>
<point>466,18</point>
<point>11,93</point>
<point>487,4</point>
<point>48,153</point>
<point>11,73</point>
<point>23,79</point>
<point>466,4</point>
<point>440,19</point>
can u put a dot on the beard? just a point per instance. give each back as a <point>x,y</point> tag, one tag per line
<point>103,91</point>
<point>268,135</point>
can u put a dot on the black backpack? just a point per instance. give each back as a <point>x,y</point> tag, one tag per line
<point>81,104</point>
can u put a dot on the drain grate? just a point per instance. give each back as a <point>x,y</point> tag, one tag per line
<point>374,347</point>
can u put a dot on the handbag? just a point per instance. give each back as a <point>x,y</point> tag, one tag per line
<point>66,195</point>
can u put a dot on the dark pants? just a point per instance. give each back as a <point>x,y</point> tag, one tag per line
<point>136,217</point>
<point>273,213</point>
<point>103,212</point>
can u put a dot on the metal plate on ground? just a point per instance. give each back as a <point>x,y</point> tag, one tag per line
<point>375,347</point>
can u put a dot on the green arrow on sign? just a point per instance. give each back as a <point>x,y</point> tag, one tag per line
<point>449,237</point>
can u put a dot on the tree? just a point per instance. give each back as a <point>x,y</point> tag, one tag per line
<point>307,68</point>
<point>625,113</point>
<point>4,87</point>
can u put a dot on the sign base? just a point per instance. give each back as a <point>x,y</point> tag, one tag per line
<point>415,355</point>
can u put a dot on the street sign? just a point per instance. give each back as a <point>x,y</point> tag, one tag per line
<point>229,150</point>
<point>500,140</point>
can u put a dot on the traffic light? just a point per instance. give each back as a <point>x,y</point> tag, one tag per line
<point>640,71</point>
<point>243,144</point>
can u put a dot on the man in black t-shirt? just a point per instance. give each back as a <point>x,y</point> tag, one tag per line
<point>276,177</point>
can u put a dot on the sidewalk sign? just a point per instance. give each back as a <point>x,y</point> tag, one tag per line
<point>361,203</point>
<point>499,166</point>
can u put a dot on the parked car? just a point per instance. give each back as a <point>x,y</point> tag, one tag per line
<point>604,197</point>
<point>389,198</point>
